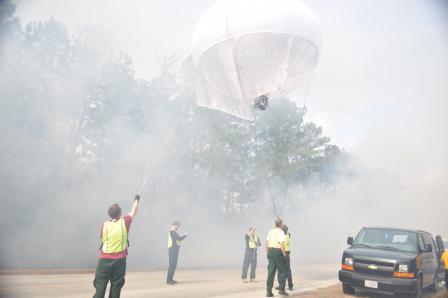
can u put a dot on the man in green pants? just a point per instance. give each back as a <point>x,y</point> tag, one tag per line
<point>113,251</point>
<point>275,250</point>
<point>287,258</point>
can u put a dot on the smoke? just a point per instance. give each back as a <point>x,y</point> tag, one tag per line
<point>379,92</point>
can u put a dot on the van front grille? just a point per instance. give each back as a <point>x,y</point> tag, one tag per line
<point>374,268</point>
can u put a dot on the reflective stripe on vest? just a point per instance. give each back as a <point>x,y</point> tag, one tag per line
<point>253,241</point>
<point>170,241</point>
<point>287,242</point>
<point>114,236</point>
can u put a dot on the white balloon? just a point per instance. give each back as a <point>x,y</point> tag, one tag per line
<point>247,48</point>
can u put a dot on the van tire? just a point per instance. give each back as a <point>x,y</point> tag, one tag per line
<point>418,291</point>
<point>347,289</point>
<point>434,287</point>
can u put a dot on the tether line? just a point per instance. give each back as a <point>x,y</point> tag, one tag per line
<point>201,189</point>
<point>150,170</point>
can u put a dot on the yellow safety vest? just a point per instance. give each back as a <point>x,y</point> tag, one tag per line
<point>114,236</point>
<point>170,241</point>
<point>445,259</point>
<point>274,238</point>
<point>287,242</point>
<point>253,241</point>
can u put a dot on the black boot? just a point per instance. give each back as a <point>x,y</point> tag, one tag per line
<point>283,293</point>
<point>269,294</point>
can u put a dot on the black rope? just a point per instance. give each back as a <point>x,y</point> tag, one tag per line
<point>266,176</point>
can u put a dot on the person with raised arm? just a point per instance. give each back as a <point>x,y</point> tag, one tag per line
<point>113,251</point>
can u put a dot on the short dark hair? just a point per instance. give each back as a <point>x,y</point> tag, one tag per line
<point>176,223</point>
<point>278,223</point>
<point>285,229</point>
<point>114,211</point>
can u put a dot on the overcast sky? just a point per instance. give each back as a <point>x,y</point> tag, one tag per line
<point>380,90</point>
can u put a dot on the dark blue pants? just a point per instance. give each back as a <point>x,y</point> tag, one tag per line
<point>173,255</point>
<point>250,259</point>
<point>277,263</point>
<point>288,271</point>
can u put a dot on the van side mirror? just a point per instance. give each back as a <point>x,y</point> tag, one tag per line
<point>427,248</point>
<point>350,240</point>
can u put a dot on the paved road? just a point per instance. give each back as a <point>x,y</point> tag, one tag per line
<point>196,283</point>
<point>336,292</point>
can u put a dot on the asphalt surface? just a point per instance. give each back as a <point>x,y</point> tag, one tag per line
<point>193,283</point>
<point>336,292</point>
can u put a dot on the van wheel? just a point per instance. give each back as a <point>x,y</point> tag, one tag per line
<point>348,289</point>
<point>418,291</point>
<point>435,285</point>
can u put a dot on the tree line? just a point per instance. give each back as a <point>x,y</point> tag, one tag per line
<point>72,112</point>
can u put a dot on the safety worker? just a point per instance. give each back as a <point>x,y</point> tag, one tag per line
<point>275,249</point>
<point>173,251</point>
<point>113,251</point>
<point>287,258</point>
<point>250,255</point>
<point>445,263</point>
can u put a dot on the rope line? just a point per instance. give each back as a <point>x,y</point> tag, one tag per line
<point>278,212</point>
<point>235,64</point>
<point>266,176</point>
<point>291,145</point>
<point>150,170</point>
<point>253,127</point>
<point>201,189</point>
<point>307,91</point>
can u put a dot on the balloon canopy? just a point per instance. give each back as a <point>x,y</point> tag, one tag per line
<point>247,48</point>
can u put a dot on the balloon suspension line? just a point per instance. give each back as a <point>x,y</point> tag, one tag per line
<point>307,90</point>
<point>265,174</point>
<point>278,213</point>
<point>253,128</point>
<point>202,188</point>
<point>149,170</point>
<point>281,172</point>
<point>235,64</point>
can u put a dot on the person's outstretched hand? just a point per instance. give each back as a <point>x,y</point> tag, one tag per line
<point>137,197</point>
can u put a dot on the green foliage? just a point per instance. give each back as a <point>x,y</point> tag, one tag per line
<point>79,131</point>
<point>76,102</point>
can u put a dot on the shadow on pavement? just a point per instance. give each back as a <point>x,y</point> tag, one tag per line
<point>426,294</point>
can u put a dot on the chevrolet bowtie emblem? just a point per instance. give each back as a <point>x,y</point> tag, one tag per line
<point>372,267</point>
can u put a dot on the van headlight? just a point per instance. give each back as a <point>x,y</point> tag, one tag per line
<point>403,272</point>
<point>348,261</point>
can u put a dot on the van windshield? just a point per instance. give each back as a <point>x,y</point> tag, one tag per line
<point>387,239</point>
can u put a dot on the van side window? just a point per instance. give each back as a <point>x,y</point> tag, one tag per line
<point>420,241</point>
<point>428,240</point>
